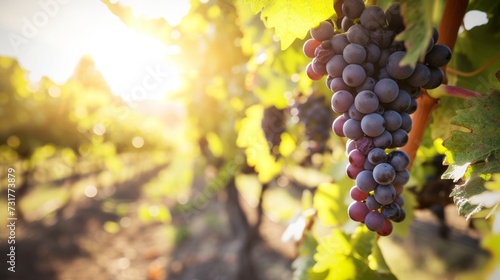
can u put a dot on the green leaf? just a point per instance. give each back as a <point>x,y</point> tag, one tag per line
<point>418,31</point>
<point>346,257</point>
<point>303,264</point>
<point>475,154</point>
<point>292,19</point>
<point>329,202</point>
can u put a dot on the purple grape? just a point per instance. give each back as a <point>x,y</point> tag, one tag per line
<point>395,69</point>
<point>387,90</point>
<point>384,174</point>
<point>356,158</point>
<point>386,229</point>
<point>413,107</point>
<point>338,125</point>
<point>391,211</point>
<point>353,171</point>
<point>371,203</point>
<point>376,156</point>
<point>402,177</point>
<point>364,144</point>
<point>373,125</point>
<point>353,8</point>
<point>346,23</point>
<point>366,102</point>
<point>401,103</point>
<point>350,145</point>
<point>437,77</point>
<point>338,84</point>
<point>357,194</point>
<point>336,65</point>
<point>341,101</point>
<point>401,217</point>
<point>358,34</point>
<point>372,53</point>
<point>355,114</point>
<point>394,18</point>
<point>339,42</point>
<point>368,165</point>
<point>384,194</point>
<point>399,138</point>
<point>438,56</point>
<point>354,54</point>
<point>365,181</point>
<point>383,141</point>
<point>420,76</point>
<point>352,129</point>
<point>323,32</point>
<point>374,221</point>
<point>373,17</point>
<point>357,211</point>
<point>406,122</point>
<point>392,119</point>
<point>399,160</point>
<point>399,200</point>
<point>353,75</point>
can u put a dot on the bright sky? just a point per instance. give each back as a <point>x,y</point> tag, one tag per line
<point>48,38</point>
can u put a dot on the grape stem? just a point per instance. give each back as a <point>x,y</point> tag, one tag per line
<point>453,15</point>
<point>475,72</point>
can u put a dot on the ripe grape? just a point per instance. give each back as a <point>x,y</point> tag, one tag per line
<point>384,173</point>
<point>341,101</point>
<point>338,125</point>
<point>373,17</point>
<point>356,158</point>
<point>376,156</point>
<point>386,229</point>
<point>374,221</point>
<point>437,77</point>
<point>392,119</point>
<point>371,203</point>
<point>395,69</point>
<point>399,138</point>
<point>366,102</point>
<point>384,194</point>
<point>373,125</point>
<point>353,75</point>
<point>365,181</point>
<point>358,34</point>
<point>352,129</point>
<point>386,90</point>
<point>309,47</point>
<point>322,32</point>
<point>383,141</point>
<point>399,160</point>
<point>357,211</point>
<point>353,8</point>
<point>354,54</point>
<point>420,76</point>
<point>336,65</point>
<point>438,56</point>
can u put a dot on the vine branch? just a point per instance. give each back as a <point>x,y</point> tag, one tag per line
<point>453,15</point>
<point>475,72</point>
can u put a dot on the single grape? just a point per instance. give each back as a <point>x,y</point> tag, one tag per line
<point>356,158</point>
<point>402,177</point>
<point>323,55</point>
<point>353,75</point>
<point>384,194</point>
<point>336,65</point>
<point>358,34</point>
<point>365,181</point>
<point>364,144</point>
<point>346,23</point>
<point>339,42</point>
<point>337,84</point>
<point>309,47</point>
<point>372,53</point>
<point>413,106</point>
<point>376,156</point>
<point>370,71</point>
<point>374,221</point>
<point>371,203</point>
<point>386,229</point>
<point>435,34</point>
<point>338,125</point>
<point>357,194</point>
<point>394,18</point>
<point>349,146</point>
<point>438,56</point>
<point>366,102</point>
<point>373,17</point>
<point>341,101</point>
<point>437,77</point>
<point>382,74</point>
<point>373,125</point>
<point>392,119</point>
<point>357,211</point>
<point>319,67</point>
<point>399,138</point>
<point>401,216</point>
<point>391,210</point>
<point>352,129</point>
<point>406,122</point>
<point>354,54</point>
<point>368,165</point>
<point>324,31</point>
<point>353,8</point>
<point>401,103</point>
<point>383,141</point>
<point>311,73</point>
<point>399,200</point>
<point>353,171</point>
<point>420,76</point>
<point>384,173</point>
<point>395,69</point>
<point>382,38</point>
<point>387,90</point>
<point>399,160</point>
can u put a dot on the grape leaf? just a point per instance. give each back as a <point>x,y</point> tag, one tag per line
<point>474,154</point>
<point>418,32</point>
<point>292,19</point>
<point>346,257</point>
<point>329,202</point>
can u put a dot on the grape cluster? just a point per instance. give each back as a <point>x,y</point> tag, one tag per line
<point>316,115</point>
<point>273,124</point>
<point>374,95</point>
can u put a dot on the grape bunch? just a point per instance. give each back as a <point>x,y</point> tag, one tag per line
<point>374,96</point>
<point>273,124</point>
<point>316,115</point>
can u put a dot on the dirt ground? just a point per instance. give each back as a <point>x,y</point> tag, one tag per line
<point>79,243</point>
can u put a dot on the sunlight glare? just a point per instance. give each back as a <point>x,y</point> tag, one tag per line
<point>171,11</point>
